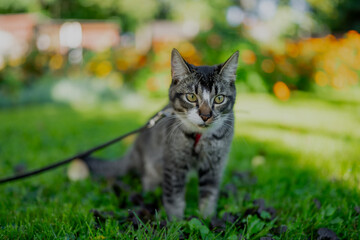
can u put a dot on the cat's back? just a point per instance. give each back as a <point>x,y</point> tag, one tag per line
<point>151,141</point>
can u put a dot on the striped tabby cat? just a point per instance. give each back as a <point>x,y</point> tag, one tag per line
<point>197,136</point>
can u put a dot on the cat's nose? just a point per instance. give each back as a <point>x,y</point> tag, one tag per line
<point>205,112</point>
<point>205,117</point>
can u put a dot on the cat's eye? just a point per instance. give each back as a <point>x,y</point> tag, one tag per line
<point>191,97</point>
<point>219,99</point>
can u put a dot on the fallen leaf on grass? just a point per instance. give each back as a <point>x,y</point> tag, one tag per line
<point>260,203</point>
<point>326,234</point>
<point>230,188</point>
<point>357,209</point>
<point>163,224</point>
<point>247,197</point>
<point>266,238</point>
<point>317,203</point>
<point>279,230</point>
<point>141,215</point>
<point>183,235</point>
<point>245,178</point>
<point>121,191</point>
<point>20,168</point>
<point>100,217</point>
<point>229,217</point>
<point>260,209</point>
<point>272,212</point>
<point>217,225</point>
<point>136,199</point>
<point>119,188</point>
<point>152,207</point>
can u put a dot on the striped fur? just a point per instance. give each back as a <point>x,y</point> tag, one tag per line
<point>165,154</point>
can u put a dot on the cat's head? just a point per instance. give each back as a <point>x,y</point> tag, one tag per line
<point>202,96</point>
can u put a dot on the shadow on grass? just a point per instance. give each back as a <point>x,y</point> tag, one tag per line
<point>305,200</point>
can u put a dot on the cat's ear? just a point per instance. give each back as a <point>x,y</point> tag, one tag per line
<point>179,67</point>
<point>228,68</point>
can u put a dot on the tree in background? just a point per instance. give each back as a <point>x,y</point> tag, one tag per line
<point>338,16</point>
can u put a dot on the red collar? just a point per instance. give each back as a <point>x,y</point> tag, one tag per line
<point>197,139</point>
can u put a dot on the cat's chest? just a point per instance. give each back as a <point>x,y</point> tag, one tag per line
<point>200,145</point>
<point>207,145</point>
<point>195,146</point>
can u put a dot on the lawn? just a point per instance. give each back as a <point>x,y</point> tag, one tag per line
<point>293,173</point>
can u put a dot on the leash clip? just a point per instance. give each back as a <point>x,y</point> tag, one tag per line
<point>160,115</point>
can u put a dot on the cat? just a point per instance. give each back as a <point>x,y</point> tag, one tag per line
<point>197,136</point>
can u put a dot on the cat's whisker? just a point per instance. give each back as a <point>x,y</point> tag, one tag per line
<point>174,127</point>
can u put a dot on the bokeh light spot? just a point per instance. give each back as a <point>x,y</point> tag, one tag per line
<point>56,62</point>
<point>248,57</point>
<point>268,66</point>
<point>103,69</point>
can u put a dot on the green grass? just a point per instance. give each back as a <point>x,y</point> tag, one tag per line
<point>302,151</point>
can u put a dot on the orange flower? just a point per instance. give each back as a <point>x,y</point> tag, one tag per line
<point>292,50</point>
<point>281,91</point>
<point>321,78</point>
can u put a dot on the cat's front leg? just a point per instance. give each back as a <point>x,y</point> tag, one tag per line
<point>174,191</point>
<point>209,181</point>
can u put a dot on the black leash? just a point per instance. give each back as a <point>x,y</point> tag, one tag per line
<point>87,153</point>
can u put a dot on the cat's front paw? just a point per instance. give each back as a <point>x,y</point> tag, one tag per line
<point>208,205</point>
<point>207,210</point>
<point>175,211</point>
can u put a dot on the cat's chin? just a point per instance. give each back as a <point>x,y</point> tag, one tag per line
<point>204,127</point>
<point>193,127</point>
<point>199,128</point>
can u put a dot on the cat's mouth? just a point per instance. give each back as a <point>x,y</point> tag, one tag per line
<point>195,125</point>
<point>204,125</point>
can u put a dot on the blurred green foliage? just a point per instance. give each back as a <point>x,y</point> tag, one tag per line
<point>338,16</point>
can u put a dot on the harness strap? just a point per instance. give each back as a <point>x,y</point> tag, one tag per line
<point>197,138</point>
